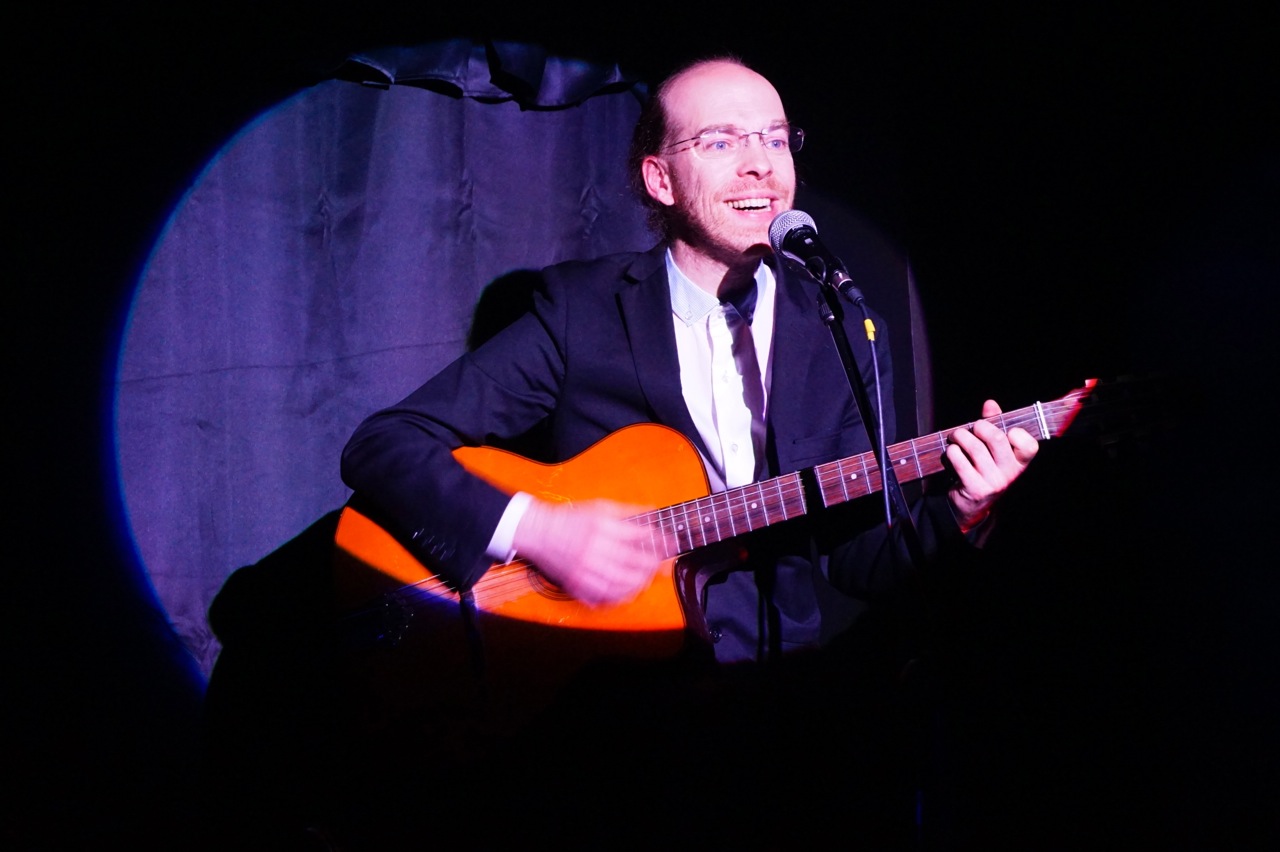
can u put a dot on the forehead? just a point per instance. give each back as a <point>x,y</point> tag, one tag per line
<point>721,94</point>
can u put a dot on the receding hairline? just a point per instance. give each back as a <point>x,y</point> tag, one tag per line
<point>680,74</point>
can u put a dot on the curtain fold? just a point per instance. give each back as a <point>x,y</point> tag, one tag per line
<point>493,72</point>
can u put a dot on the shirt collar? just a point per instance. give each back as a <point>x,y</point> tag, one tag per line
<point>691,303</point>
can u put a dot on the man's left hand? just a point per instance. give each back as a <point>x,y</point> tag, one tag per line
<point>986,461</point>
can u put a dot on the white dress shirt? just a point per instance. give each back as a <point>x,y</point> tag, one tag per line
<point>721,347</point>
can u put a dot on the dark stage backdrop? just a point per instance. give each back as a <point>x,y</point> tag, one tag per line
<point>1084,189</point>
<point>331,258</point>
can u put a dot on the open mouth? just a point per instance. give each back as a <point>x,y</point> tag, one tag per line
<point>750,204</point>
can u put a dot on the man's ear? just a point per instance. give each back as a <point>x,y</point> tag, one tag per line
<point>657,180</point>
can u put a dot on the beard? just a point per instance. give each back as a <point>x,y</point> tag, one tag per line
<point>732,237</point>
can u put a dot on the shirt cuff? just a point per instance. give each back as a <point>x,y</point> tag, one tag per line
<point>978,532</point>
<point>502,545</point>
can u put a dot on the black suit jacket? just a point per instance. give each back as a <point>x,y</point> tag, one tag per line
<point>597,352</point>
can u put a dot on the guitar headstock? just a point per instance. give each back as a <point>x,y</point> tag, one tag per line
<point>1126,408</point>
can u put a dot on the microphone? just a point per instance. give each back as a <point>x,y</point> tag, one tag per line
<point>793,234</point>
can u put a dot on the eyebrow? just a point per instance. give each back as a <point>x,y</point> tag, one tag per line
<point>736,129</point>
<point>773,125</point>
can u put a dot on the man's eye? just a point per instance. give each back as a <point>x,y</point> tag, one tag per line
<point>719,144</point>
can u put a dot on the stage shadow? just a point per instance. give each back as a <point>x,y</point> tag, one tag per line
<point>378,731</point>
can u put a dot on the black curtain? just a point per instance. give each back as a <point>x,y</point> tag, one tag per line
<point>1085,190</point>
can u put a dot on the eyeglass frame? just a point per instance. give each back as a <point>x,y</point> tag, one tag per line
<point>794,134</point>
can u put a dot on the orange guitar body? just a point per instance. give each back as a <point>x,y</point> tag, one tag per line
<point>515,639</point>
<point>646,466</point>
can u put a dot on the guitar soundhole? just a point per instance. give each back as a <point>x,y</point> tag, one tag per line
<point>545,587</point>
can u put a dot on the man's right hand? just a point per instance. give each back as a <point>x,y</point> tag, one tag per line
<point>590,550</point>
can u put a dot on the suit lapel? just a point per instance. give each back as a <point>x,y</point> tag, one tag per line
<point>806,366</point>
<point>645,303</point>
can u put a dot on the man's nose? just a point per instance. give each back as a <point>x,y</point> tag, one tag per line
<point>752,156</point>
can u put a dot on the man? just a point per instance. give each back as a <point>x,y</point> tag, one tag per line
<point>704,333</point>
<point>710,334</point>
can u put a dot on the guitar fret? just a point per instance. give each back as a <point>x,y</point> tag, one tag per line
<point>797,490</point>
<point>933,453</point>
<point>726,509</point>
<point>668,529</point>
<point>682,530</point>
<point>867,482</point>
<point>749,508</point>
<point>714,514</point>
<point>673,527</point>
<point>782,503</point>
<point>704,520</point>
<point>692,528</point>
<point>872,469</point>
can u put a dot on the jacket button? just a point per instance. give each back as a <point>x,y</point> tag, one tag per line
<point>716,633</point>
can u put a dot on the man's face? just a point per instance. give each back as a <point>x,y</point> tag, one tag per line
<point>723,207</point>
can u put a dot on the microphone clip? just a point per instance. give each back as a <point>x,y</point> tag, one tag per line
<point>794,235</point>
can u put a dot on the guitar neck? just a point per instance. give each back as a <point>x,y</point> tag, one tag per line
<point>685,527</point>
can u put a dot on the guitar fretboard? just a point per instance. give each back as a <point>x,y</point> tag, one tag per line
<point>685,527</point>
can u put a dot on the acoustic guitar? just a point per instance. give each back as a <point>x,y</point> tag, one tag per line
<point>653,465</point>
<point>481,660</point>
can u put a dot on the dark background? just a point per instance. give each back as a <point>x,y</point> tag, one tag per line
<point>1083,192</point>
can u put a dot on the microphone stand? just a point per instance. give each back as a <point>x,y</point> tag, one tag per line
<point>834,283</point>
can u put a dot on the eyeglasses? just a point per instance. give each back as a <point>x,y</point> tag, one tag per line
<point>721,142</point>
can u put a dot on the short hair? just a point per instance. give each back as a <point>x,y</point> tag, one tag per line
<point>650,137</point>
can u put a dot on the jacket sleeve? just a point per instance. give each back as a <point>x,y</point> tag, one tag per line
<point>877,561</point>
<point>401,458</point>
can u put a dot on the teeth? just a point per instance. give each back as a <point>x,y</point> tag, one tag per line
<point>750,204</point>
